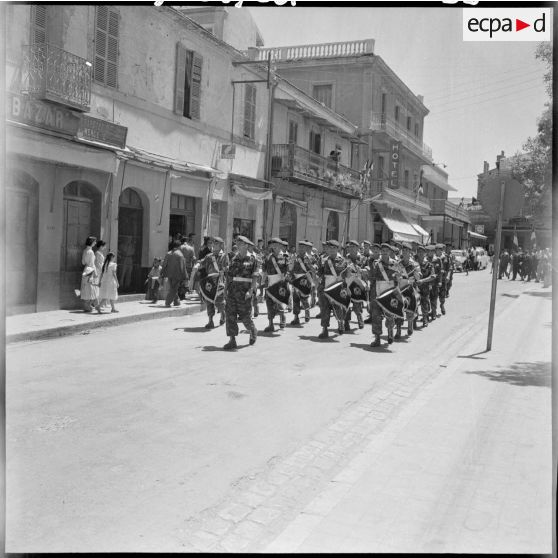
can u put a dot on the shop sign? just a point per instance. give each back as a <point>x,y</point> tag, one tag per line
<point>34,112</point>
<point>479,229</point>
<point>228,151</point>
<point>95,129</point>
<point>394,164</point>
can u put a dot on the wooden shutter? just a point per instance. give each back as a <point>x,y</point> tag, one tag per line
<point>180,78</point>
<point>106,46</point>
<point>38,23</point>
<point>250,111</point>
<point>195,90</point>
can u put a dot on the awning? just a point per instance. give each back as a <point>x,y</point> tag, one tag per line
<point>402,230</point>
<point>424,234</point>
<point>297,203</point>
<point>252,193</point>
<point>477,235</point>
<point>437,179</point>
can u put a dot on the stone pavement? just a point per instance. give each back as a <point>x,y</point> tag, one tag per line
<point>451,455</point>
<point>57,323</point>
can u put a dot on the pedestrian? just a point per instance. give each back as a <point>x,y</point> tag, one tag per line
<point>189,253</point>
<point>504,262</point>
<point>241,283</point>
<point>108,288</point>
<point>89,289</point>
<point>153,281</point>
<point>99,251</point>
<point>174,269</point>
<point>274,271</point>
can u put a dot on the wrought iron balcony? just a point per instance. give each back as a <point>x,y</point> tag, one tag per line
<point>53,74</point>
<point>296,163</point>
<point>444,207</point>
<point>380,122</point>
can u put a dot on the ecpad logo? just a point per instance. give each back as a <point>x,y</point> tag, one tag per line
<point>507,24</point>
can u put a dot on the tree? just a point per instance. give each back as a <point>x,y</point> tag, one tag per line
<point>533,168</point>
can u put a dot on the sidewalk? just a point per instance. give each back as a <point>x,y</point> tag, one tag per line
<point>58,323</point>
<point>465,467</point>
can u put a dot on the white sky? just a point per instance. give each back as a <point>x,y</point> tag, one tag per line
<point>483,97</point>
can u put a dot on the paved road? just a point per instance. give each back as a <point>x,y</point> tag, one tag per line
<point>148,437</point>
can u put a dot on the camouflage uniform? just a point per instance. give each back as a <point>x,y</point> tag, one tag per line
<point>424,289</point>
<point>410,272</point>
<point>356,265</point>
<point>301,265</point>
<point>271,264</point>
<point>435,285</point>
<point>236,303</point>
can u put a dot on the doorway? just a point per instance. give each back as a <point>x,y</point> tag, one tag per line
<point>130,241</point>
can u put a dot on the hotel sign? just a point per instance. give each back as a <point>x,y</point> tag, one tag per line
<point>394,153</point>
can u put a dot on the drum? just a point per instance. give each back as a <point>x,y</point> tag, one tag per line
<point>410,300</point>
<point>390,304</point>
<point>339,295</point>
<point>302,285</point>
<point>210,288</point>
<point>279,292</point>
<point>358,290</point>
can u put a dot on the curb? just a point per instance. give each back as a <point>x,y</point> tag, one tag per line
<point>62,331</point>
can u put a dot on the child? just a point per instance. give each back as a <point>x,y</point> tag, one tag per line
<point>153,281</point>
<point>108,290</point>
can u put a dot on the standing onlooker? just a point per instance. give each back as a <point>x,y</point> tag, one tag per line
<point>174,269</point>
<point>514,263</point>
<point>108,291</point>
<point>153,283</point>
<point>189,253</point>
<point>504,262</point>
<point>89,290</point>
<point>99,251</point>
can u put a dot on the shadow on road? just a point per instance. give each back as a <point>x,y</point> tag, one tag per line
<point>315,339</point>
<point>200,329</point>
<point>545,294</point>
<point>519,374</point>
<point>474,356</point>
<point>366,347</point>
<point>510,295</point>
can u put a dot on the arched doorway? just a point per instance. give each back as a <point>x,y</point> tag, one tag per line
<point>22,239</point>
<point>130,237</point>
<point>287,223</point>
<point>82,218</point>
<point>332,227</point>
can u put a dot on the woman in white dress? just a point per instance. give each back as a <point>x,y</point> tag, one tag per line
<point>89,291</point>
<point>109,282</point>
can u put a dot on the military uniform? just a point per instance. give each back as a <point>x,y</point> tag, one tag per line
<point>356,264</point>
<point>241,274</point>
<point>425,266</point>
<point>274,269</point>
<point>215,265</point>
<point>410,272</point>
<point>442,283</point>
<point>435,285</point>
<point>301,266</point>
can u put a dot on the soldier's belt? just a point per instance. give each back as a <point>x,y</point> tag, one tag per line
<point>242,280</point>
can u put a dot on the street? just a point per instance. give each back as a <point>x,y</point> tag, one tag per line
<point>149,437</point>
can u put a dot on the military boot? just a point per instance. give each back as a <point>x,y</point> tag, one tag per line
<point>282,321</point>
<point>425,321</point>
<point>324,334</point>
<point>397,332</point>
<point>307,315</point>
<point>210,324</point>
<point>360,322</point>
<point>231,344</point>
<point>410,327</point>
<point>253,334</point>
<point>222,319</point>
<point>296,321</point>
<point>270,328</point>
<point>442,309</point>
<point>390,336</point>
<point>377,342</point>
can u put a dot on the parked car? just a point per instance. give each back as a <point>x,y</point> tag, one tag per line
<point>481,257</point>
<point>459,259</point>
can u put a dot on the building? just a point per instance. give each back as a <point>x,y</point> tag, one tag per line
<point>108,135</point>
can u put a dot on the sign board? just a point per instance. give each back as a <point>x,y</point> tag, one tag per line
<point>479,229</point>
<point>228,151</point>
<point>394,154</point>
<point>95,129</point>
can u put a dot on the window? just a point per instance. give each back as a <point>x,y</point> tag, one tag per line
<point>384,103</point>
<point>406,179</point>
<point>409,123</point>
<point>243,227</point>
<point>396,113</point>
<point>315,142</point>
<point>38,23</point>
<point>250,111</point>
<point>293,131</point>
<point>106,46</point>
<point>332,227</point>
<point>187,97</point>
<point>381,162</point>
<point>184,203</point>
<point>323,94</point>
<point>416,129</point>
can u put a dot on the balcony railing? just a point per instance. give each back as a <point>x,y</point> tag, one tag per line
<point>294,162</point>
<point>380,122</point>
<point>52,74</point>
<point>444,207</point>
<point>319,50</point>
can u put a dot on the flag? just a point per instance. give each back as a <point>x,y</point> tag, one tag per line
<point>515,241</point>
<point>474,201</point>
<point>533,237</point>
<point>419,191</point>
<point>366,171</point>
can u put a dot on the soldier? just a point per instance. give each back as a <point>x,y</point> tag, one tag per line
<point>435,285</point>
<point>451,267</point>
<point>443,276</point>
<point>274,269</point>
<point>332,270</point>
<point>259,254</point>
<point>384,276</point>
<point>212,273</point>
<point>303,275</point>
<point>242,280</point>
<point>425,286</point>
<point>410,273</point>
<point>355,262</point>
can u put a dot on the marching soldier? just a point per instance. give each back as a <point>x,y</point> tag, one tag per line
<point>354,276</point>
<point>242,280</point>
<point>332,270</point>
<point>384,276</point>
<point>450,269</point>
<point>442,283</point>
<point>425,266</point>
<point>212,278</point>
<point>274,269</point>
<point>303,274</point>
<point>373,256</point>
<point>410,273</point>
<point>435,273</point>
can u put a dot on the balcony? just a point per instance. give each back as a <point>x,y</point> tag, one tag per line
<point>292,162</point>
<point>52,74</point>
<point>379,122</point>
<point>444,207</point>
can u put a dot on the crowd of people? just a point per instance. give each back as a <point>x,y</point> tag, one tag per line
<point>397,283</point>
<point>531,265</point>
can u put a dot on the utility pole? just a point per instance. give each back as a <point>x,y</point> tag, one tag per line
<point>495,266</point>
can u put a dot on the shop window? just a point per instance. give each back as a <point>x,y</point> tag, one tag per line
<point>187,95</point>
<point>106,46</point>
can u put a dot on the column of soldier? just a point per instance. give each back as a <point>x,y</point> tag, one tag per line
<point>395,282</point>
